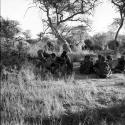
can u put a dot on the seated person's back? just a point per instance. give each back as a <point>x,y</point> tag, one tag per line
<point>86,66</point>
<point>41,56</point>
<point>120,67</point>
<point>110,61</point>
<point>103,69</point>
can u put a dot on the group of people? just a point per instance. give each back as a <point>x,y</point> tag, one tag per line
<point>102,66</point>
<point>55,64</point>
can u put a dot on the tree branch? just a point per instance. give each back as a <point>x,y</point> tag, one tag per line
<point>70,17</point>
<point>46,30</point>
<point>115,3</point>
<point>28,9</point>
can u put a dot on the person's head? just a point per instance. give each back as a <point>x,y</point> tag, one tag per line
<point>40,51</point>
<point>64,53</point>
<point>53,55</point>
<point>87,57</point>
<point>123,57</point>
<point>91,58</point>
<point>109,57</point>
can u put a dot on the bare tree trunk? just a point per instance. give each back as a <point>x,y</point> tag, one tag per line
<point>121,24</point>
<point>60,38</point>
<point>56,33</point>
<point>116,36</point>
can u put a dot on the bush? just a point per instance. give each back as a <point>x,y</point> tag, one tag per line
<point>113,45</point>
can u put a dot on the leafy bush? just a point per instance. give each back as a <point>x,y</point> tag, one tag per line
<point>113,45</point>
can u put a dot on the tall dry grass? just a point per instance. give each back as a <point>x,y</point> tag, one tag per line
<point>26,99</point>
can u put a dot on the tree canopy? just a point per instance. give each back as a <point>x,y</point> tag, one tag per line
<point>9,28</point>
<point>59,12</point>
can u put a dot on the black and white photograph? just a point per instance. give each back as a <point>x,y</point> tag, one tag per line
<point>62,62</point>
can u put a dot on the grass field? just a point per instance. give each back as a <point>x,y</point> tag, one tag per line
<point>78,100</point>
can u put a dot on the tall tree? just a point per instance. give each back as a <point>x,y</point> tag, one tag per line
<point>59,12</point>
<point>120,5</point>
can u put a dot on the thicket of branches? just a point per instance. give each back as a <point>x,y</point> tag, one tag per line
<point>58,12</point>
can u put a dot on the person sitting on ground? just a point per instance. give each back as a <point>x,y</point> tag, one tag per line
<point>102,68</point>
<point>120,67</point>
<point>109,60</point>
<point>42,60</point>
<point>48,62</point>
<point>41,56</point>
<point>64,55</point>
<point>67,60</point>
<point>53,62</point>
<point>53,57</point>
<point>86,66</point>
<point>57,63</point>
<point>46,55</point>
<point>98,61</point>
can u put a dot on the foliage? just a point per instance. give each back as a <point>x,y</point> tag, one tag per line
<point>113,44</point>
<point>88,43</point>
<point>106,40</point>
<point>66,10</point>
<point>47,43</point>
<point>40,35</point>
<point>62,11</point>
<point>9,28</point>
<point>27,34</point>
<point>100,40</point>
